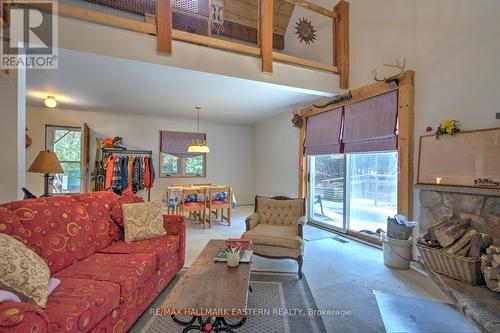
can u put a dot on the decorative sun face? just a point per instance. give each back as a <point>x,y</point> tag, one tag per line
<point>305,31</point>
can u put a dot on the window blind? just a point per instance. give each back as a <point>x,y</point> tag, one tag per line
<point>323,133</point>
<point>177,143</point>
<point>370,125</point>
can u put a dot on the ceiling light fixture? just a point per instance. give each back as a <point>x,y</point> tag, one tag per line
<point>50,102</point>
<point>198,146</point>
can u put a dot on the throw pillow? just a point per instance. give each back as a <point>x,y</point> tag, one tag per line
<point>143,220</point>
<point>23,272</point>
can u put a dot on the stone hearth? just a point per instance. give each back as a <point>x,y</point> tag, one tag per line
<point>483,210</point>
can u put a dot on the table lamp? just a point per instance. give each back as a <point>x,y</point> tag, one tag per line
<point>46,162</point>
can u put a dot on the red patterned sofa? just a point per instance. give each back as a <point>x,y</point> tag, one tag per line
<point>106,283</point>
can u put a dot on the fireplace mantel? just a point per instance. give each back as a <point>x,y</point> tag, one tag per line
<point>458,189</point>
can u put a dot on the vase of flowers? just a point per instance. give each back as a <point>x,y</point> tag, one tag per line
<point>233,254</point>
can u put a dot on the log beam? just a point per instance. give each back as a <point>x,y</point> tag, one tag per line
<point>266,35</point>
<point>313,7</point>
<point>164,26</point>
<point>341,42</point>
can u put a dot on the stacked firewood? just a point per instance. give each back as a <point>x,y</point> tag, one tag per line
<point>490,266</point>
<point>457,237</point>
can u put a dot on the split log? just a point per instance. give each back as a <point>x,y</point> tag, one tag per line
<point>429,235</point>
<point>493,273</point>
<point>495,260</point>
<point>485,262</point>
<point>493,285</point>
<point>450,232</point>
<point>461,242</point>
<point>493,250</point>
<point>478,244</point>
<point>465,250</point>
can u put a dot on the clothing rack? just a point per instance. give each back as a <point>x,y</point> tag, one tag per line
<point>128,152</point>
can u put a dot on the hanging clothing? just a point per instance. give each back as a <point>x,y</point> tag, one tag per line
<point>136,175</point>
<point>151,173</point>
<point>117,174</point>
<point>130,163</point>
<point>142,173</point>
<point>147,173</point>
<point>110,161</point>
<point>124,178</point>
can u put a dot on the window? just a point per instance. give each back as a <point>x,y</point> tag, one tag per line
<point>174,157</point>
<point>173,166</point>
<point>66,142</point>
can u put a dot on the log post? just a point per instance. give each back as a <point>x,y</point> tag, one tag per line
<point>341,41</point>
<point>266,35</point>
<point>164,26</point>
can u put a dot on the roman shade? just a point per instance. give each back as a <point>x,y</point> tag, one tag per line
<point>323,133</point>
<point>177,143</point>
<point>370,125</point>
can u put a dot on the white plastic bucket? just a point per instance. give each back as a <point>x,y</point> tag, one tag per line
<point>397,252</point>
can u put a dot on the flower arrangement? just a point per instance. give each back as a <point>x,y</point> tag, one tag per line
<point>447,126</point>
<point>233,247</point>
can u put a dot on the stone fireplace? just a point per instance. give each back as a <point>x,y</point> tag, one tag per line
<point>482,209</point>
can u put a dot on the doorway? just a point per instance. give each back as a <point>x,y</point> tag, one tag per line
<point>353,192</point>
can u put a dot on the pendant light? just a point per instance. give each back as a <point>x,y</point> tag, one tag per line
<point>198,146</point>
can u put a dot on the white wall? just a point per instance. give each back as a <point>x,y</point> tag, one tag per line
<point>321,50</point>
<point>276,156</point>
<point>229,161</point>
<point>12,131</point>
<point>454,47</point>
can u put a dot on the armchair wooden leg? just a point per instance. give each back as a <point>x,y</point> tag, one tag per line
<point>300,261</point>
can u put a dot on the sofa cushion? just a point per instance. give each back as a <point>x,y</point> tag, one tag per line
<point>59,229</point>
<point>275,235</point>
<point>143,220</point>
<point>117,211</point>
<point>23,272</point>
<point>128,270</point>
<point>99,205</point>
<point>77,305</point>
<point>162,247</point>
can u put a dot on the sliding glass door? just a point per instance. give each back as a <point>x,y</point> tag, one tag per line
<point>326,190</point>
<point>354,192</point>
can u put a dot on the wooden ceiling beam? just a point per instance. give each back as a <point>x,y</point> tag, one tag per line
<point>315,8</point>
<point>341,42</point>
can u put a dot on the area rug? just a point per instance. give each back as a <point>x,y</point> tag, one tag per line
<point>278,303</point>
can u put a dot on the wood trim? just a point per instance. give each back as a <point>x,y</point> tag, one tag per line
<point>266,35</point>
<point>214,42</point>
<point>341,42</point>
<point>281,57</point>
<point>164,26</point>
<point>365,238</point>
<point>302,161</point>
<point>406,118</point>
<point>313,7</point>
<point>359,94</point>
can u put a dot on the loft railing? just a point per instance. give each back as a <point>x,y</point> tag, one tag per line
<point>259,28</point>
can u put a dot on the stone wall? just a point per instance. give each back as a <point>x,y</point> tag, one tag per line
<point>483,210</point>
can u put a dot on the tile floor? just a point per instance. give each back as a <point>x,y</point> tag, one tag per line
<point>341,275</point>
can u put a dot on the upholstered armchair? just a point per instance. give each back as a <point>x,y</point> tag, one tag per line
<point>276,228</point>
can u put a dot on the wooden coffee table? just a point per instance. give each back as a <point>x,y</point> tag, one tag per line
<point>210,292</point>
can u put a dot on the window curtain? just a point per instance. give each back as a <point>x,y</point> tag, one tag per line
<point>323,133</point>
<point>177,143</point>
<point>370,125</point>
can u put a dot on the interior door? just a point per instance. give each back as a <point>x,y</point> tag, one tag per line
<point>326,184</point>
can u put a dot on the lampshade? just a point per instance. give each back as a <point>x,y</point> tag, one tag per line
<point>198,147</point>
<point>46,162</point>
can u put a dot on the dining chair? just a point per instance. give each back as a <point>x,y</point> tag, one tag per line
<point>219,197</point>
<point>193,202</point>
<point>203,184</point>
<point>180,185</point>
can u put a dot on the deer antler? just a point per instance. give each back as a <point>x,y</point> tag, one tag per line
<point>398,65</point>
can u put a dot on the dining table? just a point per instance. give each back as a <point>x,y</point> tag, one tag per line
<point>173,195</point>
